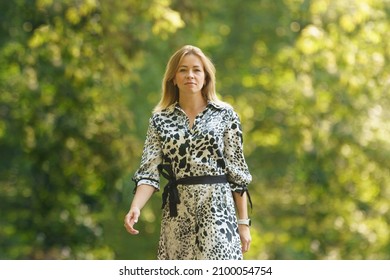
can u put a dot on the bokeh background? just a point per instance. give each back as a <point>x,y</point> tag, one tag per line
<point>309,79</point>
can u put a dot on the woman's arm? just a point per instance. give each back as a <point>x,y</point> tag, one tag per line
<point>238,174</point>
<point>142,195</point>
<point>242,213</point>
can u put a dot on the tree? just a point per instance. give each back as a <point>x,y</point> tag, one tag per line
<point>65,130</point>
<point>317,135</point>
<point>309,79</point>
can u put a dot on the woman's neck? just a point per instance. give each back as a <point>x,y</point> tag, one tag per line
<point>192,103</point>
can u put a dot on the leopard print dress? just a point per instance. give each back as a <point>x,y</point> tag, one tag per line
<point>206,224</point>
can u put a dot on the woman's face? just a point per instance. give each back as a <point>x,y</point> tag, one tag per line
<point>190,75</point>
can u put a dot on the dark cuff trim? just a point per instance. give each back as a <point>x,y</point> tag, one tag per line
<point>243,189</point>
<point>144,178</point>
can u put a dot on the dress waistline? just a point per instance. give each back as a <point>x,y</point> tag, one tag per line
<point>208,179</point>
<point>171,191</point>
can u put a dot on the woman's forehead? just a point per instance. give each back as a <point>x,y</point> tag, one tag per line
<point>190,60</point>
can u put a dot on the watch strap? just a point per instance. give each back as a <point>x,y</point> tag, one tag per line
<point>244,222</point>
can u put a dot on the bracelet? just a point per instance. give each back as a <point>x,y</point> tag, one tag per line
<point>246,222</point>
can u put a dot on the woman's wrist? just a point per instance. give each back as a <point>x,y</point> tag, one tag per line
<point>245,222</point>
<point>135,207</point>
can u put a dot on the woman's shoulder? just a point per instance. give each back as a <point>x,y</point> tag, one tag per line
<point>221,105</point>
<point>163,113</point>
<point>227,108</point>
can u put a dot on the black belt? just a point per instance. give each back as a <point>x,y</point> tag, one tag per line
<point>171,190</point>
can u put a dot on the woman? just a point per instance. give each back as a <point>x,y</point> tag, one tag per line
<point>195,141</point>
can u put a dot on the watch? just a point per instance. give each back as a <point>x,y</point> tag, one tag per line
<point>244,222</point>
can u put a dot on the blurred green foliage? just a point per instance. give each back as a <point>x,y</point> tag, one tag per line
<point>310,80</point>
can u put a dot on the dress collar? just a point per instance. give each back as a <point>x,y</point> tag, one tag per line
<point>171,108</point>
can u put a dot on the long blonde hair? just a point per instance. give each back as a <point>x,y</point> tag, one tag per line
<point>170,92</point>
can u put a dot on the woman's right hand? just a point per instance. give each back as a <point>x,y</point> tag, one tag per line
<point>131,219</point>
<point>144,192</point>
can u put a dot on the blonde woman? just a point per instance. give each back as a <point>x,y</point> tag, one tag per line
<point>194,140</point>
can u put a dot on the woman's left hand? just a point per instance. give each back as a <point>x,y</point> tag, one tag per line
<point>245,236</point>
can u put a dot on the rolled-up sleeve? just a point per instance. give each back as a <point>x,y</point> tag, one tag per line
<point>151,157</point>
<point>237,169</point>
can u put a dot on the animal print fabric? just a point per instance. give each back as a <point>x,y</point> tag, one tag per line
<point>206,225</point>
